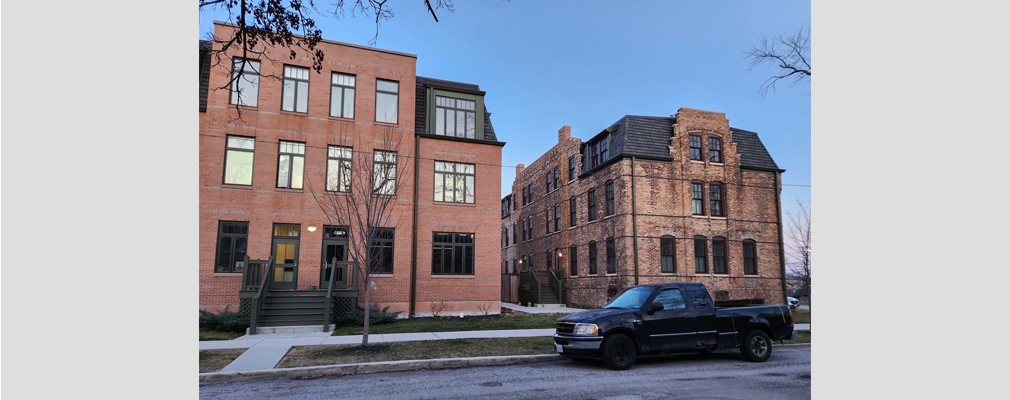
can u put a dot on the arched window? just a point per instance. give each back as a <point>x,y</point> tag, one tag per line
<point>719,255</point>
<point>611,256</point>
<point>667,249</point>
<point>700,258</point>
<point>750,265</point>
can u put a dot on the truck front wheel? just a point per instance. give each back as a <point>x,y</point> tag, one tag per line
<point>619,352</point>
<point>757,346</point>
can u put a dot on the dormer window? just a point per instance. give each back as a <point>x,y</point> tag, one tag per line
<point>597,152</point>
<point>455,117</point>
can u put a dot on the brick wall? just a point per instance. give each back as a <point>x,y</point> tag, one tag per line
<point>663,209</point>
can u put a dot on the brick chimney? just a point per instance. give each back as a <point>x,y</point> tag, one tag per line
<point>564,133</point>
<point>520,168</point>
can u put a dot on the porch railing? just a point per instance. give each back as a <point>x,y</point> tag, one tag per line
<point>266,277</point>
<point>339,279</point>
<point>529,287</point>
<point>556,279</point>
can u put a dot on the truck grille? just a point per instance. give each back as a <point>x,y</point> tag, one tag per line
<point>566,328</point>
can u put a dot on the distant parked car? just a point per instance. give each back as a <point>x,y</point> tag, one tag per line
<point>793,302</point>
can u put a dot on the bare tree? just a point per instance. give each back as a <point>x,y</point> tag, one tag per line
<point>798,241</point>
<point>287,24</point>
<point>790,54</point>
<point>361,193</point>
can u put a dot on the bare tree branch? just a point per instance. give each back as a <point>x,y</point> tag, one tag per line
<point>791,54</point>
<point>798,251</point>
<point>370,203</point>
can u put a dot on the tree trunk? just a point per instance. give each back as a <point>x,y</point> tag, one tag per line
<point>368,311</point>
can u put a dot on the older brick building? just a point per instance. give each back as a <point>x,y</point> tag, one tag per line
<point>266,149</point>
<point>651,199</point>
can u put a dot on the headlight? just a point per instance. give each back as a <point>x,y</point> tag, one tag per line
<point>585,329</point>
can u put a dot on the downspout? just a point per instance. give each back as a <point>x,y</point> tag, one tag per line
<point>634,219</point>
<point>782,252</point>
<point>413,244</point>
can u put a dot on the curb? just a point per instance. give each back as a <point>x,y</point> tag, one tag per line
<point>211,378</point>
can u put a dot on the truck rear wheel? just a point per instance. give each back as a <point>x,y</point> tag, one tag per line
<point>619,352</point>
<point>757,346</point>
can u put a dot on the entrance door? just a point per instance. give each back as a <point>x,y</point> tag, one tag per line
<point>285,253</point>
<point>334,252</point>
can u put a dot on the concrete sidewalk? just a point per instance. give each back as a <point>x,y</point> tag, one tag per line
<point>540,310</point>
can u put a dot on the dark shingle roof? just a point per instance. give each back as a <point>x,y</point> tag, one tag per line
<point>205,47</point>
<point>752,152</point>
<point>650,136</point>
<point>420,104</point>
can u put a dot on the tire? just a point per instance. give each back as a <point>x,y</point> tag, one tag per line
<point>619,352</point>
<point>757,346</point>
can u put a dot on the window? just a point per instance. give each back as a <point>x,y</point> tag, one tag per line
<point>295,96</point>
<point>697,199</point>
<point>598,152</point>
<point>571,168</point>
<point>719,255</point>
<point>547,225</point>
<point>548,188</point>
<point>514,233</point>
<point>592,204</point>
<point>387,100</point>
<point>666,251</point>
<point>238,160</point>
<point>557,217</point>
<point>610,198</point>
<point>524,196</point>
<point>672,299</point>
<point>452,253</point>
<point>245,85</point>
<point>573,260</point>
<point>524,229</point>
<point>382,251</point>
<point>529,189</point>
<point>695,144</point>
<point>505,237</point>
<point>611,256</point>
<point>454,182</point>
<point>529,228</point>
<point>592,258</point>
<point>290,165</point>
<point>338,169</point>
<point>700,259</point>
<point>232,240</point>
<point>714,149</point>
<point>549,258</point>
<point>750,265</point>
<point>455,117</point>
<point>571,211</point>
<point>515,203</point>
<point>342,95</point>
<point>384,172</point>
<point>556,178</point>
<point>715,199</point>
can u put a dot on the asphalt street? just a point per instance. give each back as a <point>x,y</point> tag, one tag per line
<point>723,375</point>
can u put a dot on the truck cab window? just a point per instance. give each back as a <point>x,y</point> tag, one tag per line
<point>672,299</point>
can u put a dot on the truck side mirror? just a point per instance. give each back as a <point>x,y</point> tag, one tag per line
<point>657,306</point>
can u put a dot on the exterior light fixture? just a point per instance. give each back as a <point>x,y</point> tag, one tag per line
<point>312,228</point>
<point>559,254</point>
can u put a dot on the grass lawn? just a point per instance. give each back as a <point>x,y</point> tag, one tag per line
<point>306,356</point>
<point>801,337</point>
<point>801,316</point>
<point>218,335</point>
<point>448,324</point>
<point>214,360</point>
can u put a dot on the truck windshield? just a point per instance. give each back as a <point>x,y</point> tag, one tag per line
<point>630,298</point>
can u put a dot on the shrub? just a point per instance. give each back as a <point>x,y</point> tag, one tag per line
<point>375,317</point>
<point>225,321</point>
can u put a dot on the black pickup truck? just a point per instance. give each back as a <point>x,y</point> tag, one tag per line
<point>666,318</point>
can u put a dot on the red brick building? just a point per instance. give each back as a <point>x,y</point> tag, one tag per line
<point>684,198</point>
<point>267,145</point>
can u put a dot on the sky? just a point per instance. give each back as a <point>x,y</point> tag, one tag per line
<point>546,64</point>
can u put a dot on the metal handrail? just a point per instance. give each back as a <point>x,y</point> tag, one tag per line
<point>536,281</point>
<point>557,284</point>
